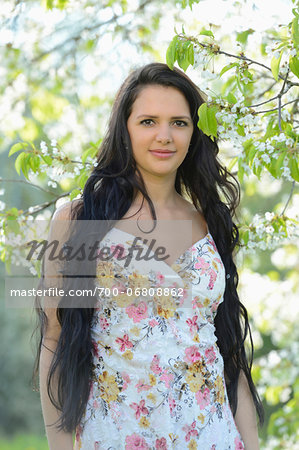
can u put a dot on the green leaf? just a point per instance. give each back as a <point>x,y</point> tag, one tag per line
<point>232,163</point>
<point>183,59</point>
<point>228,67</point>
<point>74,193</point>
<point>19,161</point>
<point>275,63</point>
<point>17,147</point>
<point>231,98</point>
<point>171,53</point>
<point>246,237</point>
<point>50,4</point>
<point>48,160</point>
<point>92,151</point>
<point>295,31</point>
<point>294,168</point>
<point>34,162</point>
<point>240,170</point>
<point>241,130</point>
<point>294,65</point>
<point>243,36</point>
<point>205,32</point>
<point>207,121</point>
<point>82,179</point>
<point>279,163</point>
<point>191,54</point>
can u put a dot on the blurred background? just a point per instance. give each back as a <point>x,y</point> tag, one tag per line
<point>61,65</point>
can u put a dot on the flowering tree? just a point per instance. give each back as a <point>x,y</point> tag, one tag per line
<point>251,108</point>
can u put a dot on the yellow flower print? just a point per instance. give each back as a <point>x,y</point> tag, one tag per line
<point>201,418</point>
<point>136,280</point>
<point>195,381</point>
<point>215,265</point>
<point>206,302</point>
<point>123,300</point>
<point>128,355</point>
<point>152,379</point>
<point>152,397</point>
<point>219,390</point>
<point>165,306</point>
<point>108,387</point>
<point>105,274</point>
<point>143,422</point>
<point>173,437</point>
<point>135,330</point>
<point>192,445</point>
<point>196,338</point>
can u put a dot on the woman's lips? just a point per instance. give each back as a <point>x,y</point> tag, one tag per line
<point>162,153</point>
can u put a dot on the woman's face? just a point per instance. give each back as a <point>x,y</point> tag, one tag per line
<point>160,121</point>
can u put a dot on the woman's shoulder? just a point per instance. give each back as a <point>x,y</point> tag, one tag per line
<point>66,211</point>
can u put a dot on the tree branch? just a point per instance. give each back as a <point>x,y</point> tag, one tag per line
<point>289,198</point>
<point>6,180</point>
<point>275,109</point>
<point>45,205</point>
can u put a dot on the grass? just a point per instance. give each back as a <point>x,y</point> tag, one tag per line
<point>24,442</point>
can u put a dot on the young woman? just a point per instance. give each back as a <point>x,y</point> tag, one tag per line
<point>150,371</point>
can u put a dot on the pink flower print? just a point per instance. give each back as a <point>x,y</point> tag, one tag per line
<point>78,432</point>
<point>95,348</point>
<point>124,342</point>
<point>190,431</point>
<point>104,323</point>
<point>97,445</point>
<point>192,354</point>
<point>172,404</point>
<point>160,278</point>
<point>213,277</point>
<point>193,324</point>
<point>202,265</point>
<point>161,444</point>
<point>126,379</point>
<point>166,377</point>
<point>95,404</point>
<point>134,441</point>
<point>137,313</point>
<point>212,244</point>
<point>139,408</point>
<point>152,323</point>
<point>238,444</point>
<point>214,306</point>
<point>203,398</point>
<point>196,303</point>
<point>210,355</point>
<point>120,288</point>
<point>155,365</point>
<point>141,386</point>
<point>119,251</point>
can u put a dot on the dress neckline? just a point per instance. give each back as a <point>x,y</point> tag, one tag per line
<point>206,237</point>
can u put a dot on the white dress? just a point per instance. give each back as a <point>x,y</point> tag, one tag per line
<point>158,375</point>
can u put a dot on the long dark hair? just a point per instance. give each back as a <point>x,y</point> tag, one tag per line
<point>108,195</point>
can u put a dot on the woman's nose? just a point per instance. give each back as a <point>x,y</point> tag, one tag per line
<point>164,135</point>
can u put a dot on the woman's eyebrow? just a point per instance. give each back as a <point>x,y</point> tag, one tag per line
<point>156,117</point>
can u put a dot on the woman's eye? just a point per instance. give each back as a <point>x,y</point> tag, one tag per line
<point>181,123</point>
<point>146,121</point>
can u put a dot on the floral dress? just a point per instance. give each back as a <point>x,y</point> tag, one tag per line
<point>158,375</point>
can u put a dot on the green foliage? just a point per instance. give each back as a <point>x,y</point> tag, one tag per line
<point>24,442</point>
<point>207,120</point>
<point>252,108</point>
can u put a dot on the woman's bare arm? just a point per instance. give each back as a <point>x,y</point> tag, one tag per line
<point>56,439</point>
<point>246,415</point>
